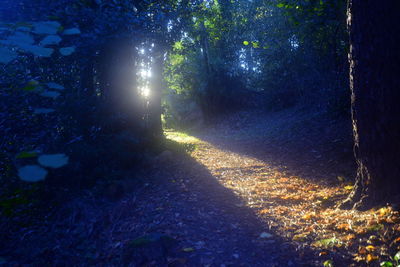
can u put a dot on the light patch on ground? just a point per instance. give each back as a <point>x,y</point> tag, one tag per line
<point>180,137</point>
<point>298,209</point>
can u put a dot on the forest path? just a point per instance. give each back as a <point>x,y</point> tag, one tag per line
<point>288,195</point>
<point>281,176</point>
<point>253,189</point>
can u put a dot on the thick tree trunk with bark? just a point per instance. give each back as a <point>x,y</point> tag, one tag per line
<point>375,85</point>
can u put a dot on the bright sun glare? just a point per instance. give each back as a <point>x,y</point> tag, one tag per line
<point>145,92</point>
<point>145,75</point>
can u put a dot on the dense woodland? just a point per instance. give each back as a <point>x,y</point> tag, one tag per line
<point>199,133</point>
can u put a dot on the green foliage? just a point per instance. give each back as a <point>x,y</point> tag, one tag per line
<point>386,264</point>
<point>255,44</point>
<point>296,53</point>
<point>395,261</point>
<point>397,257</point>
<point>182,72</point>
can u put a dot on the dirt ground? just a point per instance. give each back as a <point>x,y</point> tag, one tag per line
<point>253,189</point>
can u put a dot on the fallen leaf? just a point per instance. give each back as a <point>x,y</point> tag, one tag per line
<point>384,211</point>
<point>343,227</point>
<point>308,216</point>
<point>349,237</point>
<point>370,248</point>
<point>371,257</point>
<point>264,211</point>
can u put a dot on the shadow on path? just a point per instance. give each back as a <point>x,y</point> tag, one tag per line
<point>178,198</point>
<point>205,215</point>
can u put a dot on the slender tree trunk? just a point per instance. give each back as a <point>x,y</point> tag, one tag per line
<point>375,86</point>
<point>205,47</point>
<point>154,108</point>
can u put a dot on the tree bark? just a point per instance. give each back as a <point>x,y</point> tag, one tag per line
<point>375,102</point>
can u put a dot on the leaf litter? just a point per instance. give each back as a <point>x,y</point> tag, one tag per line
<point>301,210</point>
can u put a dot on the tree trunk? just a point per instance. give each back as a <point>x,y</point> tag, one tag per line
<point>205,47</point>
<point>154,108</point>
<point>375,102</point>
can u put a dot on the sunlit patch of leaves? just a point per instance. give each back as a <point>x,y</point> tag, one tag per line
<point>304,211</point>
<point>180,142</point>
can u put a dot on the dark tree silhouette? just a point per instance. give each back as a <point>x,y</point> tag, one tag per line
<point>375,87</point>
<point>155,126</point>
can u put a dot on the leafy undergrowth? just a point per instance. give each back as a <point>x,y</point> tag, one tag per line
<point>302,210</point>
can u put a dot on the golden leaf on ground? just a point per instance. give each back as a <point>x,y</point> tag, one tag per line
<point>264,211</point>
<point>308,216</point>
<point>343,227</point>
<point>370,248</point>
<point>371,257</point>
<point>349,237</point>
<point>358,258</point>
<point>361,231</point>
<point>384,211</point>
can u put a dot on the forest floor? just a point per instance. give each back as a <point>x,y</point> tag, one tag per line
<point>253,189</point>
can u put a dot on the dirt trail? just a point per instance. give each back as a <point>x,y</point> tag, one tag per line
<point>229,202</point>
<point>291,169</point>
<point>282,190</point>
